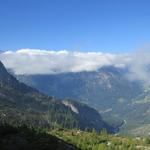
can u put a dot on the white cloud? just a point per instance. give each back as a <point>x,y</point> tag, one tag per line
<point>140,66</point>
<point>30,61</point>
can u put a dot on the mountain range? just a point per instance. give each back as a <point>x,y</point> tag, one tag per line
<point>21,104</point>
<point>73,98</point>
<point>108,90</point>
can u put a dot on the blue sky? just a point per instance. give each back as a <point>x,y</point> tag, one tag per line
<point>87,25</point>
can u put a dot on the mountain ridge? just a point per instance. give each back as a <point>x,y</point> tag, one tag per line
<point>22,104</point>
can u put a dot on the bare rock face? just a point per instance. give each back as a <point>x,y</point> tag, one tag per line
<point>70,105</point>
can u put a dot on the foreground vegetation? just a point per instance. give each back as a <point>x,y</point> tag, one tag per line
<point>27,138</point>
<point>30,138</point>
<point>101,141</point>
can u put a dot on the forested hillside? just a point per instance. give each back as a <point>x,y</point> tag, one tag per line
<point>21,104</point>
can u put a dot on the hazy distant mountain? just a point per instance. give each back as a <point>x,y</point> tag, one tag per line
<point>22,104</point>
<point>106,89</point>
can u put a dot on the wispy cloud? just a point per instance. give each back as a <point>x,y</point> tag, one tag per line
<point>140,66</point>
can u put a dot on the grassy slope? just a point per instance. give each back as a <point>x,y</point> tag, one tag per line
<point>101,141</point>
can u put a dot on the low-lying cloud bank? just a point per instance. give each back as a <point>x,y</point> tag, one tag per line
<point>28,61</point>
<point>31,61</point>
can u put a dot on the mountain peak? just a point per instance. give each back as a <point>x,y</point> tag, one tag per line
<point>3,72</point>
<point>8,81</point>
